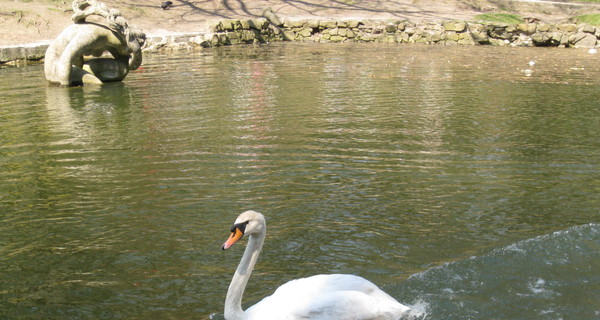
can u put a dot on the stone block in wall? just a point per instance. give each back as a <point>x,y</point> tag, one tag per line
<point>511,28</point>
<point>265,36</point>
<point>214,41</point>
<point>233,38</point>
<point>568,27</point>
<point>258,23</point>
<point>312,23</point>
<point>584,40</point>
<point>522,40</point>
<point>365,37</point>
<point>540,38</point>
<point>200,41</point>
<point>543,27</point>
<point>245,24</point>
<point>230,24</point>
<point>478,32</point>
<point>575,37</point>
<point>499,42</point>
<point>249,36</point>
<point>365,29</point>
<point>434,26</point>
<point>353,23</point>
<point>381,37</point>
<point>564,40</point>
<point>500,32</point>
<point>528,28</point>
<point>559,38</point>
<point>401,37</point>
<point>26,52</point>
<point>451,35</point>
<point>368,26</point>
<point>389,38</point>
<point>425,39</point>
<point>343,32</point>
<point>288,35</point>
<point>275,30</point>
<point>420,37</point>
<point>237,24</point>
<point>466,38</point>
<point>379,29</point>
<point>588,29</point>
<point>481,37</point>
<point>294,23</point>
<point>457,26</point>
<point>328,24</point>
<point>336,38</point>
<point>391,28</point>
<point>306,32</point>
<point>497,25</point>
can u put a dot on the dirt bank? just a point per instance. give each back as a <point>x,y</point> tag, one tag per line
<point>39,20</point>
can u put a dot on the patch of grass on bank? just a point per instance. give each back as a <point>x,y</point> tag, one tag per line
<point>502,17</point>
<point>591,18</point>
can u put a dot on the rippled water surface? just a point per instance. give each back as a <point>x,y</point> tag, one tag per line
<point>463,181</point>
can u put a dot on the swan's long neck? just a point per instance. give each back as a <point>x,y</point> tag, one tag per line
<point>233,301</point>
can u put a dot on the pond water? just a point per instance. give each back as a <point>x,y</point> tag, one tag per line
<point>464,181</point>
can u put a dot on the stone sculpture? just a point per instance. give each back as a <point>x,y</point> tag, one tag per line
<point>68,60</point>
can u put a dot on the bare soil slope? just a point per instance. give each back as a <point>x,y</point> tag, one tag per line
<point>24,21</point>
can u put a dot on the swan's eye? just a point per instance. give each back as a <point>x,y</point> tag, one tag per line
<point>240,226</point>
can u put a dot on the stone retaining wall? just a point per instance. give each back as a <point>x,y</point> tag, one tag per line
<point>33,51</point>
<point>448,33</point>
<point>270,28</point>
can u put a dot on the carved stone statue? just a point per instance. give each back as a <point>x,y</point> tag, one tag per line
<point>68,60</point>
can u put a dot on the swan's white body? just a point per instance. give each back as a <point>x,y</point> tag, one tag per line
<point>320,297</point>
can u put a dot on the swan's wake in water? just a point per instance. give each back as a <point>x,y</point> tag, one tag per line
<point>552,276</point>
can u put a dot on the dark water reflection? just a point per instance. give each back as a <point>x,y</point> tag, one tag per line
<point>383,161</point>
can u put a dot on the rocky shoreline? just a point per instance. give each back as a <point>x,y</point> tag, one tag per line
<point>526,34</point>
<point>270,28</point>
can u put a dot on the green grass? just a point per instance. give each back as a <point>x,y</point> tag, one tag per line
<point>502,17</point>
<point>591,19</point>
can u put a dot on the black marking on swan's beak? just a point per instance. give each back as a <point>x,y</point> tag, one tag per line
<point>237,232</point>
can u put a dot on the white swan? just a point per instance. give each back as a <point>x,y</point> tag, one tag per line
<point>320,297</point>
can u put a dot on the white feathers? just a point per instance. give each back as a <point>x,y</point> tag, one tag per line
<point>320,297</point>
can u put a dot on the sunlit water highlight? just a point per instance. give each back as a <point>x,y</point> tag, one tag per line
<point>449,176</point>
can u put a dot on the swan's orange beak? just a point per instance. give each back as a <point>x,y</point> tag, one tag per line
<point>236,234</point>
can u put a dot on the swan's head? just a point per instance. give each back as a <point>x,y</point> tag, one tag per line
<point>249,222</point>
